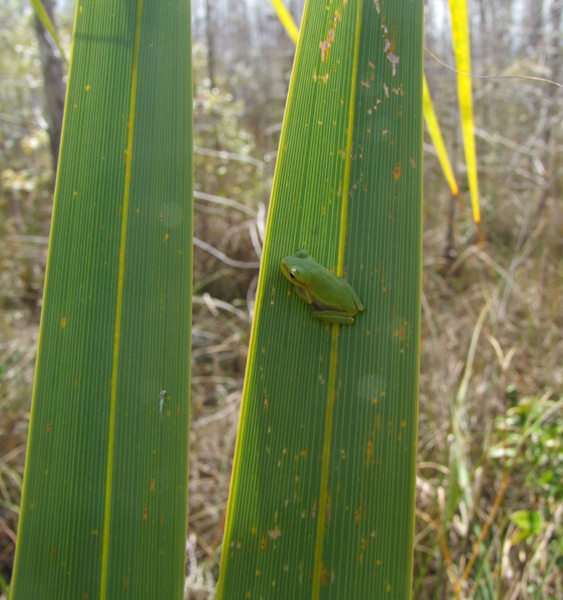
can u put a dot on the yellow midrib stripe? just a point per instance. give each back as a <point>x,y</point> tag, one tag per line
<point>118,309</point>
<point>323,495</point>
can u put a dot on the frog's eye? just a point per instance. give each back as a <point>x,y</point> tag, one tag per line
<point>293,276</point>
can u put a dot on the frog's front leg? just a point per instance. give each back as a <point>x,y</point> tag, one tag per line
<point>332,316</point>
<point>304,294</point>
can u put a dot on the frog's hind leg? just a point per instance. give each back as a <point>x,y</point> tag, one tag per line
<point>353,293</point>
<point>332,317</point>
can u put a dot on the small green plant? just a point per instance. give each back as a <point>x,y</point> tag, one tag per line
<point>531,444</point>
<point>530,450</point>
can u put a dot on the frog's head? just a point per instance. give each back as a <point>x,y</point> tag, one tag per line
<point>295,267</point>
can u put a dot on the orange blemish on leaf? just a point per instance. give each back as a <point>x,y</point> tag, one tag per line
<point>400,332</point>
<point>63,322</point>
<point>369,452</point>
<point>145,513</point>
<point>263,543</point>
<point>397,172</point>
<point>152,485</point>
<point>356,515</point>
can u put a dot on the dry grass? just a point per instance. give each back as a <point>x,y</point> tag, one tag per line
<point>518,355</point>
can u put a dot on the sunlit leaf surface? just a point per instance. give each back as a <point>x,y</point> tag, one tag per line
<point>103,512</point>
<point>322,498</point>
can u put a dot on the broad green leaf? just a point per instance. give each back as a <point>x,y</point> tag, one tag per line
<point>428,108</point>
<point>322,496</point>
<point>462,51</point>
<point>103,513</point>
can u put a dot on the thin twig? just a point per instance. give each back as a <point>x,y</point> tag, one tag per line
<point>486,527</point>
<point>445,551</point>
<point>223,257</point>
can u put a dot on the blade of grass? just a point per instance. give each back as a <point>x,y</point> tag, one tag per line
<point>286,20</point>
<point>322,496</point>
<point>429,113</point>
<point>105,492</point>
<point>437,139</point>
<point>462,51</point>
<point>45,20</point>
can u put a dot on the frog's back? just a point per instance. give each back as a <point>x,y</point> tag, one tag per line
<point>337,294</point>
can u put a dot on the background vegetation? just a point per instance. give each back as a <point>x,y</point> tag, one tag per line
<point>490,498</point>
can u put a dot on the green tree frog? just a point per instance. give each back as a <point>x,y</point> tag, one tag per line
<point>334,299</point>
